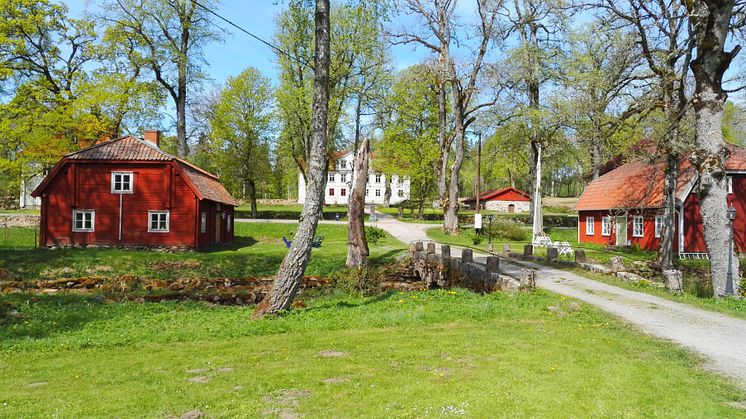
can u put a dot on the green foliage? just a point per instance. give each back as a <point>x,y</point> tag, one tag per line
<point>506,229</point>
<point>241,135</point>
<point>374,234</point>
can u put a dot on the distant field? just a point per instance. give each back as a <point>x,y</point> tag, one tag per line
<point>257,251</point>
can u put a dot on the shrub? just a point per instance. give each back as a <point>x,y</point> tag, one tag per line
<point>374,234</point>
<point>476,239</point>
<point>507,229</point>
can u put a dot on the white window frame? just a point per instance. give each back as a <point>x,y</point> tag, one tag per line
<point>378,192</point>
<point>331,191</point>
<point>400,193</point>
<point>367,192</point>
<point>658,225</point>
<point>131,189</point>
<point>84,229</point>
<point>158,213</point>
<point>635,220</point>
<point>730,184</point>
<point>606,226</point>
<point>343,177</point>
<point>378,178</point>
<point>341,164</point>
<point>590,226</point>
<point>203,222</point>
<point>331,177</point>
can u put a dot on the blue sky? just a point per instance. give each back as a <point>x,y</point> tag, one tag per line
<point>239,51</point>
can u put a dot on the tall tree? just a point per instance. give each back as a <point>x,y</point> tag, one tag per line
<point>170,36</point>
<point>660,28</point>
<point>710,23</point>
<point>293,266</point>
<point>241,134</point>
<point>357,249</point>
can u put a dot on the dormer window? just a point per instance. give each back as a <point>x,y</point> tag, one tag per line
<point>121,182</point>
<point>341,164</point>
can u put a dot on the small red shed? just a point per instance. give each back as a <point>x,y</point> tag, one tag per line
<point>507,199</point>
<point>625,206</point>
<point>129,192</point>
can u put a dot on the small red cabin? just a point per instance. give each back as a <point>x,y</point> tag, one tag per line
<point>624,206</point>
<point>128,192</point>
<point>507,199</point>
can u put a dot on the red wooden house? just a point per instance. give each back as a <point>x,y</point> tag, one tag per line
<point>625,206</point>
<point>128,192</point>
<point>504,200</point>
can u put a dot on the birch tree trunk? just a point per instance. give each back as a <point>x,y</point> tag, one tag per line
<point>293,266</point>
<point>357,244</point>
<point>709,23</point>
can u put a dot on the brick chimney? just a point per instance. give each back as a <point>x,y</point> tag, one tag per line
<point>153,136</point>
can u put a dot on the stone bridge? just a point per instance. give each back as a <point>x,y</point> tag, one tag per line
<point>444,271</point>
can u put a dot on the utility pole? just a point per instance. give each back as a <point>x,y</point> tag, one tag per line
<point>479,168</point>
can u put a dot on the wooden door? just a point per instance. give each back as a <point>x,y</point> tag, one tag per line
<point>621,231</point>
<point>217,227</point>
<point>511,208</point>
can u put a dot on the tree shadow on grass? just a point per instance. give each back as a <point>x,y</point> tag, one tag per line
<point>238,243</point>
<point>34,317</point>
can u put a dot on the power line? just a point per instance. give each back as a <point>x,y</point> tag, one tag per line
<point>267,43</point>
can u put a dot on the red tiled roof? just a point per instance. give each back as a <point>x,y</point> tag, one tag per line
<point>639,184</point>
<point>207,184</point>
<point>122,148</point>
<point>633,185</point>
<point>496,193</point>
<point>129,148</point>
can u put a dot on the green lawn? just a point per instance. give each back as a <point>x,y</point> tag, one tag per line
<point>257,251</point>
<point>288,211</point>
<point>420,354</point>
<point>593,251</point>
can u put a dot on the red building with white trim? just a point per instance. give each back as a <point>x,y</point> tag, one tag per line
<point>128,192</point>
<point>507,199</point>
<point>624,206</point>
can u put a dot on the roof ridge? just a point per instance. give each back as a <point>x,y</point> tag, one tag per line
<point>154,147</point>
<point>97,145</point>
<point>197,168</point>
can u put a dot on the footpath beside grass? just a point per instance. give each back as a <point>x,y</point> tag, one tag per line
<point>257,251</point>
<point>395,355</point>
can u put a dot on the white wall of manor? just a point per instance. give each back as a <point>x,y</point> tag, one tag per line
<point>339,184</point>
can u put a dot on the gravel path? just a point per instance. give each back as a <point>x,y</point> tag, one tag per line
<point>719,338</point>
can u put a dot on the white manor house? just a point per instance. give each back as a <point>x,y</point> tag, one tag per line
<point>339,184</point>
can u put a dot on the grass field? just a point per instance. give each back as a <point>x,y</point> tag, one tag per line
<point>419,354</point>
<point>257,251</point>
<point>570,235</point>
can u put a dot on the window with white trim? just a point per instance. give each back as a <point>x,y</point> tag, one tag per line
<point>606,226</point>
<point>343,192</point>
<point>378,192</point>
<point>730,184</point>
<point>203,222</point>
<point>658,225</point>
<point>121,182</point>
<point>590,226</point>
<point>343,177</point>
<point>84,220</point>
<point>331,177</point>
<point>378,178</point>
<point>341,164</point>
<point>331,191</point>
<point>400,193</point>
<point>638,226</point>
<point>367,192</point>
<point>158,221</point>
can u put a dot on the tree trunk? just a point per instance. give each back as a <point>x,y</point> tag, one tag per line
<point>357,244</point>
<point>444,144</point>
<point>182,149</point>
<point>293,266</point>
<point>450,219</point>
<point>387,190</point>
<point>709,23</point>
<point>252,196</point>
<point>596,158</point>
<point>668,231</point>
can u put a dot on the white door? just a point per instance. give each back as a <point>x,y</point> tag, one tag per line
<point>621,231</point>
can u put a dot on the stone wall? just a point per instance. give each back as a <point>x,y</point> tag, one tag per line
<point>19,220</point>
<point>502,206</point>
<point>442,270</point>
